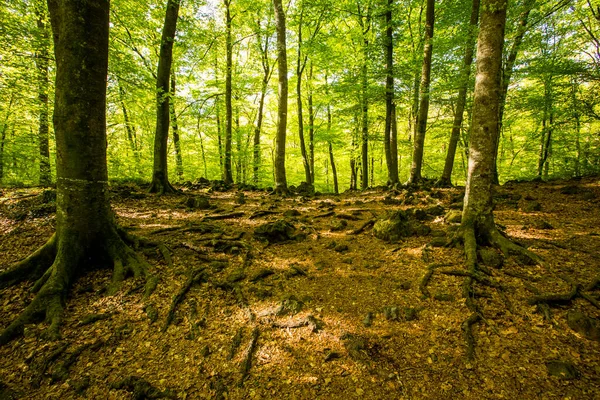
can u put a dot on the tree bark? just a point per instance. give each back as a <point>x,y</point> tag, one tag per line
<point>507,74</point>
<point>300,65</point>
<point>86,234</point>
<point>160,177</point>
<point>390,144</point>
<point>267,71</point>
<point>130,130</point>
<point>421,122</point>
<point>228,173</point>
<point>465,73</point>
<point>366,26</point>
<point>42,61</point>
<point>176,141</point>
<point>280,178</point>
<point>311,126</point>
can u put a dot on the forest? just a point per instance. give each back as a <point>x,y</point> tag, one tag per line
<point>312,199</point>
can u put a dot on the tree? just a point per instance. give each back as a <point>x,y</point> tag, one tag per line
<point>228,173</point>
<point>390,138</point>
<point>421,122</point>
<point>280,179</point>
<point>160,176</point>
<point>86,233</point>
<point>42,63</point>
<point>465,73</point>
<point>477,226</point>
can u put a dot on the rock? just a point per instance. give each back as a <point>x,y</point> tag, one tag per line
<point>491,257</point>
<point>392,227</point>
<point>291,213</point>
<point>341,248</point>
<point>584,325</point>
<point>570,189</point>
<point>391,313</point>
<point>562,369</point>
<point>338,225</point>
<point>531,206</point>
<point>435,211</point>
<point>438,242</point>
<point>262,274</point>
<point>406,285</point>
<point>240,198</point>
<point>420,214</point>
<point>290,305</point>
<point>542,225</point>
<point>295,270</point>
<point>390,201</point>
<point>368,320</point>
<point>443,297</point>
<point>453,217</point>
<point>275,232</point>
<point>197,202</point>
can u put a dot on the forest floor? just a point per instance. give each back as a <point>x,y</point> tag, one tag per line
<point>317,309</point>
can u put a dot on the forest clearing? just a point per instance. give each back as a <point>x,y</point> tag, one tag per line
<point>417,218</point>
<point>319,310</point>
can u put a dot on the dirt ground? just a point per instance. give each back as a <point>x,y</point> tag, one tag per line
<point>319,311</point>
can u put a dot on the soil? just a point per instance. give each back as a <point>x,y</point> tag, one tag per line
<point>311,307</point>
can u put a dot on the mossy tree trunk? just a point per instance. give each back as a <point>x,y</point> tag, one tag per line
<point>421,122</point>
<point>42,62</point>
<point>227,171</point>
<point>280,178</point>
<point>86,234</point>
<point>160,176</point>
<point>390,143</point>
<point>176,141</point>
<point>465,73</point>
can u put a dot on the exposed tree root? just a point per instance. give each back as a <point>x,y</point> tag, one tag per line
<point>549,299</point>
<point>46,363</point>
<point>194,276</point>
<point>31,268</point>
<point>61,372</point>
<point>364,226</point>
<point>235,343</point>
<point>247,362</point>
<point>236,214</point>
<point>468,332</point>
<point>56,266</point>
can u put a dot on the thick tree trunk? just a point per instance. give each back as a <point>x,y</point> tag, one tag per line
<point>280,178</point>
<point>465,73</point>
<point>160,176</point>
<point>86,234</point>
<point>228,173</point>
<point>507,71</point>
<point>42,61</point>
<point>176,141</point>
<point>421,122</point>
<point>389,142</point>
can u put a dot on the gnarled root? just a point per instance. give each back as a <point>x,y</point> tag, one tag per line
<point>31,268</point>
<point>56,265</point>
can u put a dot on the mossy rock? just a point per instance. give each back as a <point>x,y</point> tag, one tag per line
<point>531,206</point>
<point>561,369</point>
<point>453,217</point>
<point>491,257</point>
<point>393,227</point>
<point>197,202</point>
<point>291,213</point>
<point>584,325</point>
<point>338,225</point>
<point>275,232</point>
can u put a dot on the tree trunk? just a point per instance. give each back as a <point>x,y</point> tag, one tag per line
<point>507,74</point>
<point>176,141</point>
<point>42,62</point>
<point>228,173</point>
<point>300,65</point>
<point>280,179</point>
<point>311,126</point>
<point>130,130</point>
<point>465,73</point>
<point>3,133</point>
<point>576,117</point>
<point>160,177</point>
<point>421,122</point>
<point>365,121</point>
<point>86,234</point>
<point>389,142</point>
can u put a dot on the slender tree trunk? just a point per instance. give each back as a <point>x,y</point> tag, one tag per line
<point>220,141</point>
<point>547,128</point>
<point>394,142</point>
<point>421,123</point>
<point>311,126</point>
<point>129,130</point>
<point>42,61</point>
<point>238,147</point>
<point>507,71</point>
<point>465,73</point>
<point>365,120</point>
<point>202,148</point>
<point>176,141</point>
<point>280,178</point>
<point>2,140</point>
<point>389,142</point>
<point>160,177</point>
<point>257,129</point>
<point>86,234</point>
<point>577,118</point>
<point>300,65</point>
<point>228,173</point>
